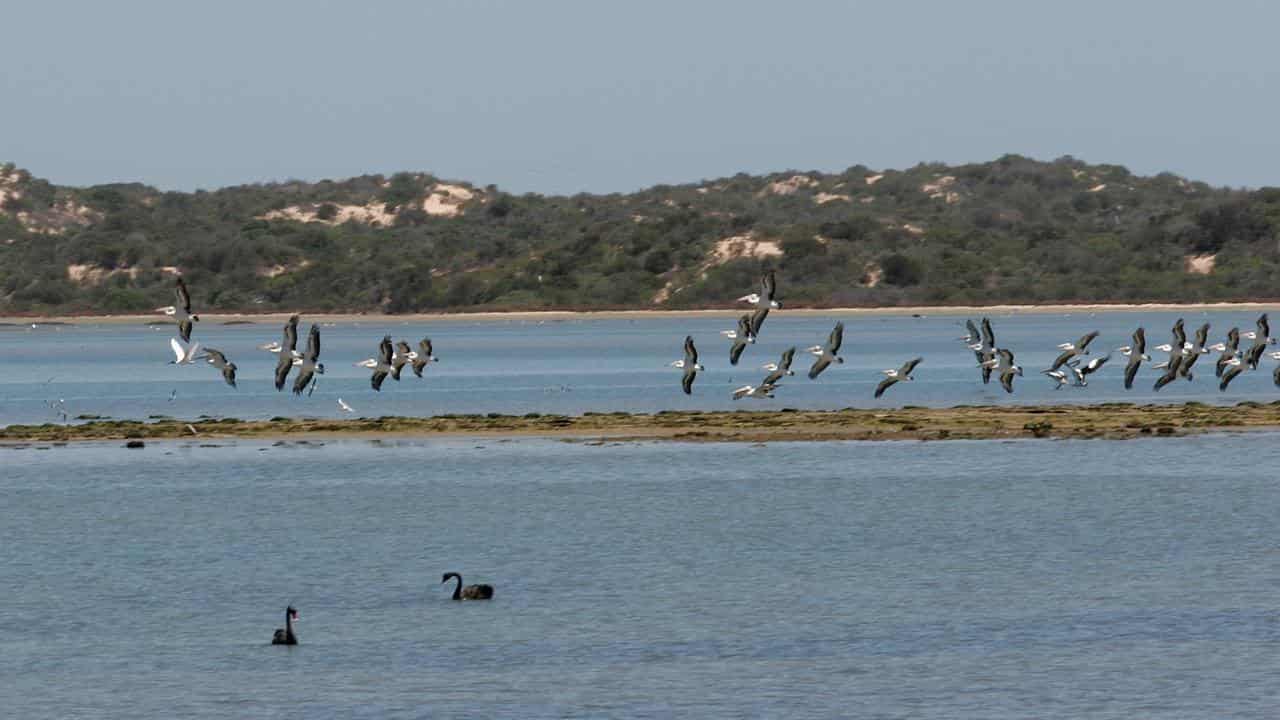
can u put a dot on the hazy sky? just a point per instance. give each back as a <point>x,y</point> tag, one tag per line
<point>558,97</point>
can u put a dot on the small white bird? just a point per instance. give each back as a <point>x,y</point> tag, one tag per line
<point>754,391</point>
<point>344,406</point>
<point>183,355</point>
<point>275,347</point>
<point>1059,376</point>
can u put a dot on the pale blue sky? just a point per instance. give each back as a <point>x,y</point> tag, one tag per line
<point>559,97</point>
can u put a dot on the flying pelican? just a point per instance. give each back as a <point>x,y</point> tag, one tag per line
<point>402,356</point>
<point>288,351</point>
<point>689,364</point>
<point>757,320</point>
<point>1263,333</point>
<point>828,352</point>
<point>1254,354</point>
<point>985,352</point>
<point>763,390</point>
<point>973,340</point>
<point>1176,349</point>
<point>309,364</point>
<point>1171,370</point>
<point>1261,338</point>
<point>182,311</point>
<point>183,355</point>
<point>381,365</point>
<point>1137,353</point>
<point>780,369</point>
<point>1008,369</point>
<point>1230,349</point>
<point>423,356</point>
<point>740,337</point>
<point>218,359</point>
<point>1195,350</point>
<point>897,375</point>
<point>765,298</point>
<point>1234,367</point>
<point>1073,350</point>
<point>1083,371</point>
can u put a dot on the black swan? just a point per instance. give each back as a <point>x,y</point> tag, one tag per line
<point>284,635</point>
<point>470,592</point>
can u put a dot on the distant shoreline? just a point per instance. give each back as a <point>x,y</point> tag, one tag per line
<point>1113,421</point>
<point>492,316</point>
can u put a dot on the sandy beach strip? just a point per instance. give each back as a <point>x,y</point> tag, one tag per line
<point>1106,420</point>
<point>274,318</point>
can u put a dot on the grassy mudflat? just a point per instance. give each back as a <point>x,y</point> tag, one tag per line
<point>1110,420</point>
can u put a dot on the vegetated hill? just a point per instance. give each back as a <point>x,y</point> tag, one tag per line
<point>1012,230</point>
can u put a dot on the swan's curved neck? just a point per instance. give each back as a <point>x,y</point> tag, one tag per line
<point>288,624</point>
<point>457,589</point>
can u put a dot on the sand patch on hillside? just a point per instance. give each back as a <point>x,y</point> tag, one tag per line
<point>442,200</point>
<point>374,213</point>
<point>789,186</point>
<point>446,200</point>
<point>59,217</point>
<point>1201,264</point>
<point>823,198</point>
<point>91,274</point>
<point>743,246</point>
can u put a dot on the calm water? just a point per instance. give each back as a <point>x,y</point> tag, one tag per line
<point>926,580</point>
<point>575,366</point>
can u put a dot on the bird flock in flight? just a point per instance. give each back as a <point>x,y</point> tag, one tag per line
<point>748,331</point>
<point>1071,368</point>
<point>390,360</point>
